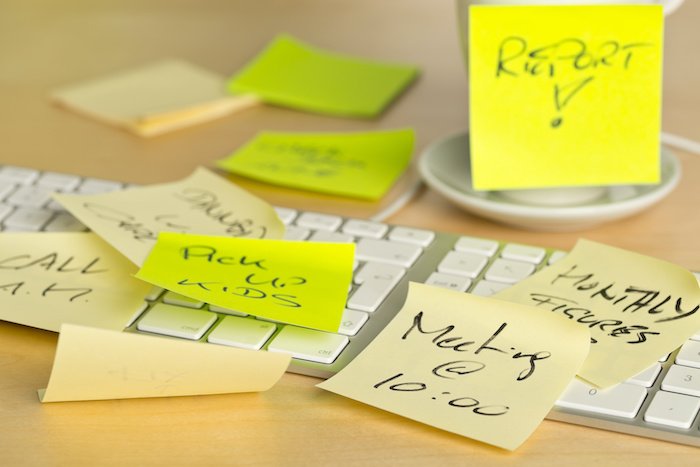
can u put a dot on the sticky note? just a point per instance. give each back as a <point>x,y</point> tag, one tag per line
<point>637,308</point>
<point>202,203</point>
<point>359,165</point>
<point>303,283</point>
<point>564,95</point>
<point>154,98</point>
<point>482,368</point>
<point>293,74</point>
<point>97,364</point>
<point>47,279</point>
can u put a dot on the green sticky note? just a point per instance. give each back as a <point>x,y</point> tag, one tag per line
<point>565,95</point>
<point>360,165</point>
<point>302,283</point>
<point>293,74</point>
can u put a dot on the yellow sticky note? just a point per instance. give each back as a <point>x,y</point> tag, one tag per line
<point>96,364</point>
<point>637,308</point>
<point>202,203</point>
<point>153,98</point>
<point>479,367</point>
<point>360,165</point>
<point>293,74</point>
<point>564,95</point>
<point>47,279</point>
<point>303,283</point>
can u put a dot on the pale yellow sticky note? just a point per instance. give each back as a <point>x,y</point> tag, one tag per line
<point>479,367</point>
<point>303,283</point>
<point>95,364</point>
<point>154,98</point>
<point>203,203</point>
<point>47,279</point>
<point>361,164</point>
<point>564,95</point>
<point>637,308</point>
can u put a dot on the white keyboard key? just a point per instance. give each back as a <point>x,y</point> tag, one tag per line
<point>486,288</point>
<point>6,188</point>
<point>65,222</point>
<point>317,221</point>
<point>676,410</point>
<point>376,281</point>
<point>30,197</point>
<point>27,219</point>
<point>508,271</point>
<point>5,210</point>
<point>330,237</point>
<point>529,254</point>
<point>247,333</point>
<point>352,322</point>
<point>449,281</point>
<point>556,256</point>
<point>19,175</point>
<point>309,344</point>
<point>58,182</point>
<point>226,311</point>
<point>154,293</point>
<point>295,233</point>
<point>173,298</point>
<point>360,228</point>
<point>418,237</point>
<point>682,379</point>
<point>286,215</point>
<point>621,400</point>
<point>384,251</point>
<point>462,264</point>
<point>94,186</point>
<point>176,321</point>
<point>476,245</point>
<point>647,377</point>
<point>689,355</point>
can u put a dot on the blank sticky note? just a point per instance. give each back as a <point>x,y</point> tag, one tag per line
<point>564,95</point>
<point>360,165</point>
<point>482,368</point>
<point>637,308</point>
<point>96,364</point>
<point>154,98</point>
<point>303,283</point>
<point>293,74</point>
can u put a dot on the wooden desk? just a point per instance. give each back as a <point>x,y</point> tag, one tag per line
<point>43,46</point>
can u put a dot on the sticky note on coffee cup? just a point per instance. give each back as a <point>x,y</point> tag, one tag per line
<point>564,95</point>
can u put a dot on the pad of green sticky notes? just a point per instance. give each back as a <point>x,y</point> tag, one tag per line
<point>293,74</point>
<point>359,165</point>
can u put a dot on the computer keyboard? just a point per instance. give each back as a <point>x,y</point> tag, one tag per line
<point>662,402</point>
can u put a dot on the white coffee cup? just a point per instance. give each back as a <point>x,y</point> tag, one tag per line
<point>549,196</point>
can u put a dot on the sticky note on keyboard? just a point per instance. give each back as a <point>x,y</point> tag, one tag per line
<point>637,308</point>
<point>479,367</point>
<point>359,165</point>
<point>47,279</point>
<point>565,95</point>
<point>155,98</point>
<point>96,364</point>
<point>303,283</point>
<point>202,203</point>
<point>293,74</point>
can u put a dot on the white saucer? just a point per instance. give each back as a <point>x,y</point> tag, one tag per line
<point>445,167</point>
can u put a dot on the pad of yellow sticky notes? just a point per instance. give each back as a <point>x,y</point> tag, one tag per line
<point>303,283</point>
<point>564,95</point>
<point>360,165</point>
<point>294,74</point>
